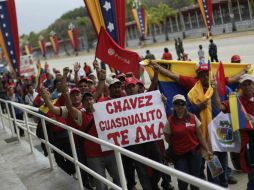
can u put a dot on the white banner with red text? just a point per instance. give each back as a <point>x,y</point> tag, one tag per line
<point>131,120</point>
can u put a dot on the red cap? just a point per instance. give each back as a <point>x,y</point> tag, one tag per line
<point>74,90</point>
<point>140,82</point>
<point>82,80</point>
<point>203,67</point>
<point>130,80</point>
<point>235,58</point>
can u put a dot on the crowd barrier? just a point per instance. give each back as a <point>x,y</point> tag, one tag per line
<point>118,151</point>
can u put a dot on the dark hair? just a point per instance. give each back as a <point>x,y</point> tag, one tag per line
<point>147,51</point>
<point>211,40</point>
<point>166,49</point>
<point>187,116</point>
<point>56,81</point>
<point>200,46</point>
<point>87,95</point>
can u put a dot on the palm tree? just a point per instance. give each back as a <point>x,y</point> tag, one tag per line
<point>153,19</point>
<point>165,11</point>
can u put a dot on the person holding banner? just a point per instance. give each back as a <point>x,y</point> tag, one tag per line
<point>184,137</point>
<point>247,135</point>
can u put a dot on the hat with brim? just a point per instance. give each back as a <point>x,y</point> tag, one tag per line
<point>178,97</point>
<point>74,90</point>
<point>113,81</point>
<point>246,77</point>
<point>203,67</point>
<point>130,80</point>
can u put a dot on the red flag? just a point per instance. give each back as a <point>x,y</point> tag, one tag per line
<point>115,56</point>
<point>220,77</point>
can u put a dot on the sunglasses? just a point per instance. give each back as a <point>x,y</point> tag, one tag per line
<point>179,103</point>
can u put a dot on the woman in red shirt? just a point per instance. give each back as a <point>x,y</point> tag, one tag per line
<point>184,136</point>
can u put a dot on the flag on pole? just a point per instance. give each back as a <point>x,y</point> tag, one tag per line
<point>54,42</point>
<point>109,14</point>
<point>73,35</point>
<point>206,12</point>
<point>238,113</point>
<point>140,16</point>
<point>110,52</point>
<point>9,38</point>
<point>42,45</point>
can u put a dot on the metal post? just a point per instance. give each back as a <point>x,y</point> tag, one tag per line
<point>75,157</point>
<point>190,20</point>
<point>177,25</point>
<point>221,16</point>
<point>47,143</point>
<point>239,10</point>
<point>213,19</point>
<point>120,170</point>
<point>28,132</point>
<point>9,116</point>
<point>171,25</point>
<point>15,122</point>
<point>197,18</point>
<point>250,10</point>
<point>1,114</point>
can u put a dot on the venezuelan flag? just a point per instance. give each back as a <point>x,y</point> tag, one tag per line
<point>238,112</point>
<point>9,40</point>
<point>140,16</point>
<point>54,43</point>
<point>109,14</point>
<point>170,88</point>
<point>206,12</point>
<point>40,77</point>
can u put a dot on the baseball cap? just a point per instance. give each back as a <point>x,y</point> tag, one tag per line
<point>178,97</point>
<point>112,81</point>
<point>74,90</point>
<point>82,80</point>
<point>203,67</point>
<point>245,77</point>
<point>130,80</point>
<point>235,58</point>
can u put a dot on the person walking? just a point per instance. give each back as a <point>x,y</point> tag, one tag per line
<point>201,54</point>
<point>213,51</point>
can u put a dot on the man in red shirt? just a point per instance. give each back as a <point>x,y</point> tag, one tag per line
<point>167,55</point>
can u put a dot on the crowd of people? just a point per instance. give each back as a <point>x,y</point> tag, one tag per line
<point>69,98</point>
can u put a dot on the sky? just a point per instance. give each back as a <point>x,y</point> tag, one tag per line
<point>35,15</point>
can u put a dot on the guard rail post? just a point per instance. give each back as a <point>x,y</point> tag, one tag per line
<point>75,157</point>
<point>28,132</point>
<point>47,143</point>
<point>9,116</point>
<point>15,122</point>
<point>1,114</point>
<point>120,170</point>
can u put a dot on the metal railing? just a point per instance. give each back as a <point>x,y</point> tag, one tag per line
<point>25,125</point>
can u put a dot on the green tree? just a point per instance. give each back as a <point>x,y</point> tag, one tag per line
<point>82,23</point>
<point>165,11</point>
<point>153,20</point>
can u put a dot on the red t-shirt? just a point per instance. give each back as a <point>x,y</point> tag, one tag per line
<point>183,134</point>
<point>167,56</point>
<point>91,149</point>
<point>187,82</point>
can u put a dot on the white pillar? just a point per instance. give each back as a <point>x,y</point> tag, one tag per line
<point>250,10</point>
<point>221,16</point>
<point>171,25</point>
<point>190,20</point>
<point>196,13</point>
<point>239,10</point>
<point>177,25</point>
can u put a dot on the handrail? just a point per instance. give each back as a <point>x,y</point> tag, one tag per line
<point>118,151</point>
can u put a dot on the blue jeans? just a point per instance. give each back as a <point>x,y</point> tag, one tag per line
<point>222,179</point>
<point>100,165</point>
<point>189,163</point>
